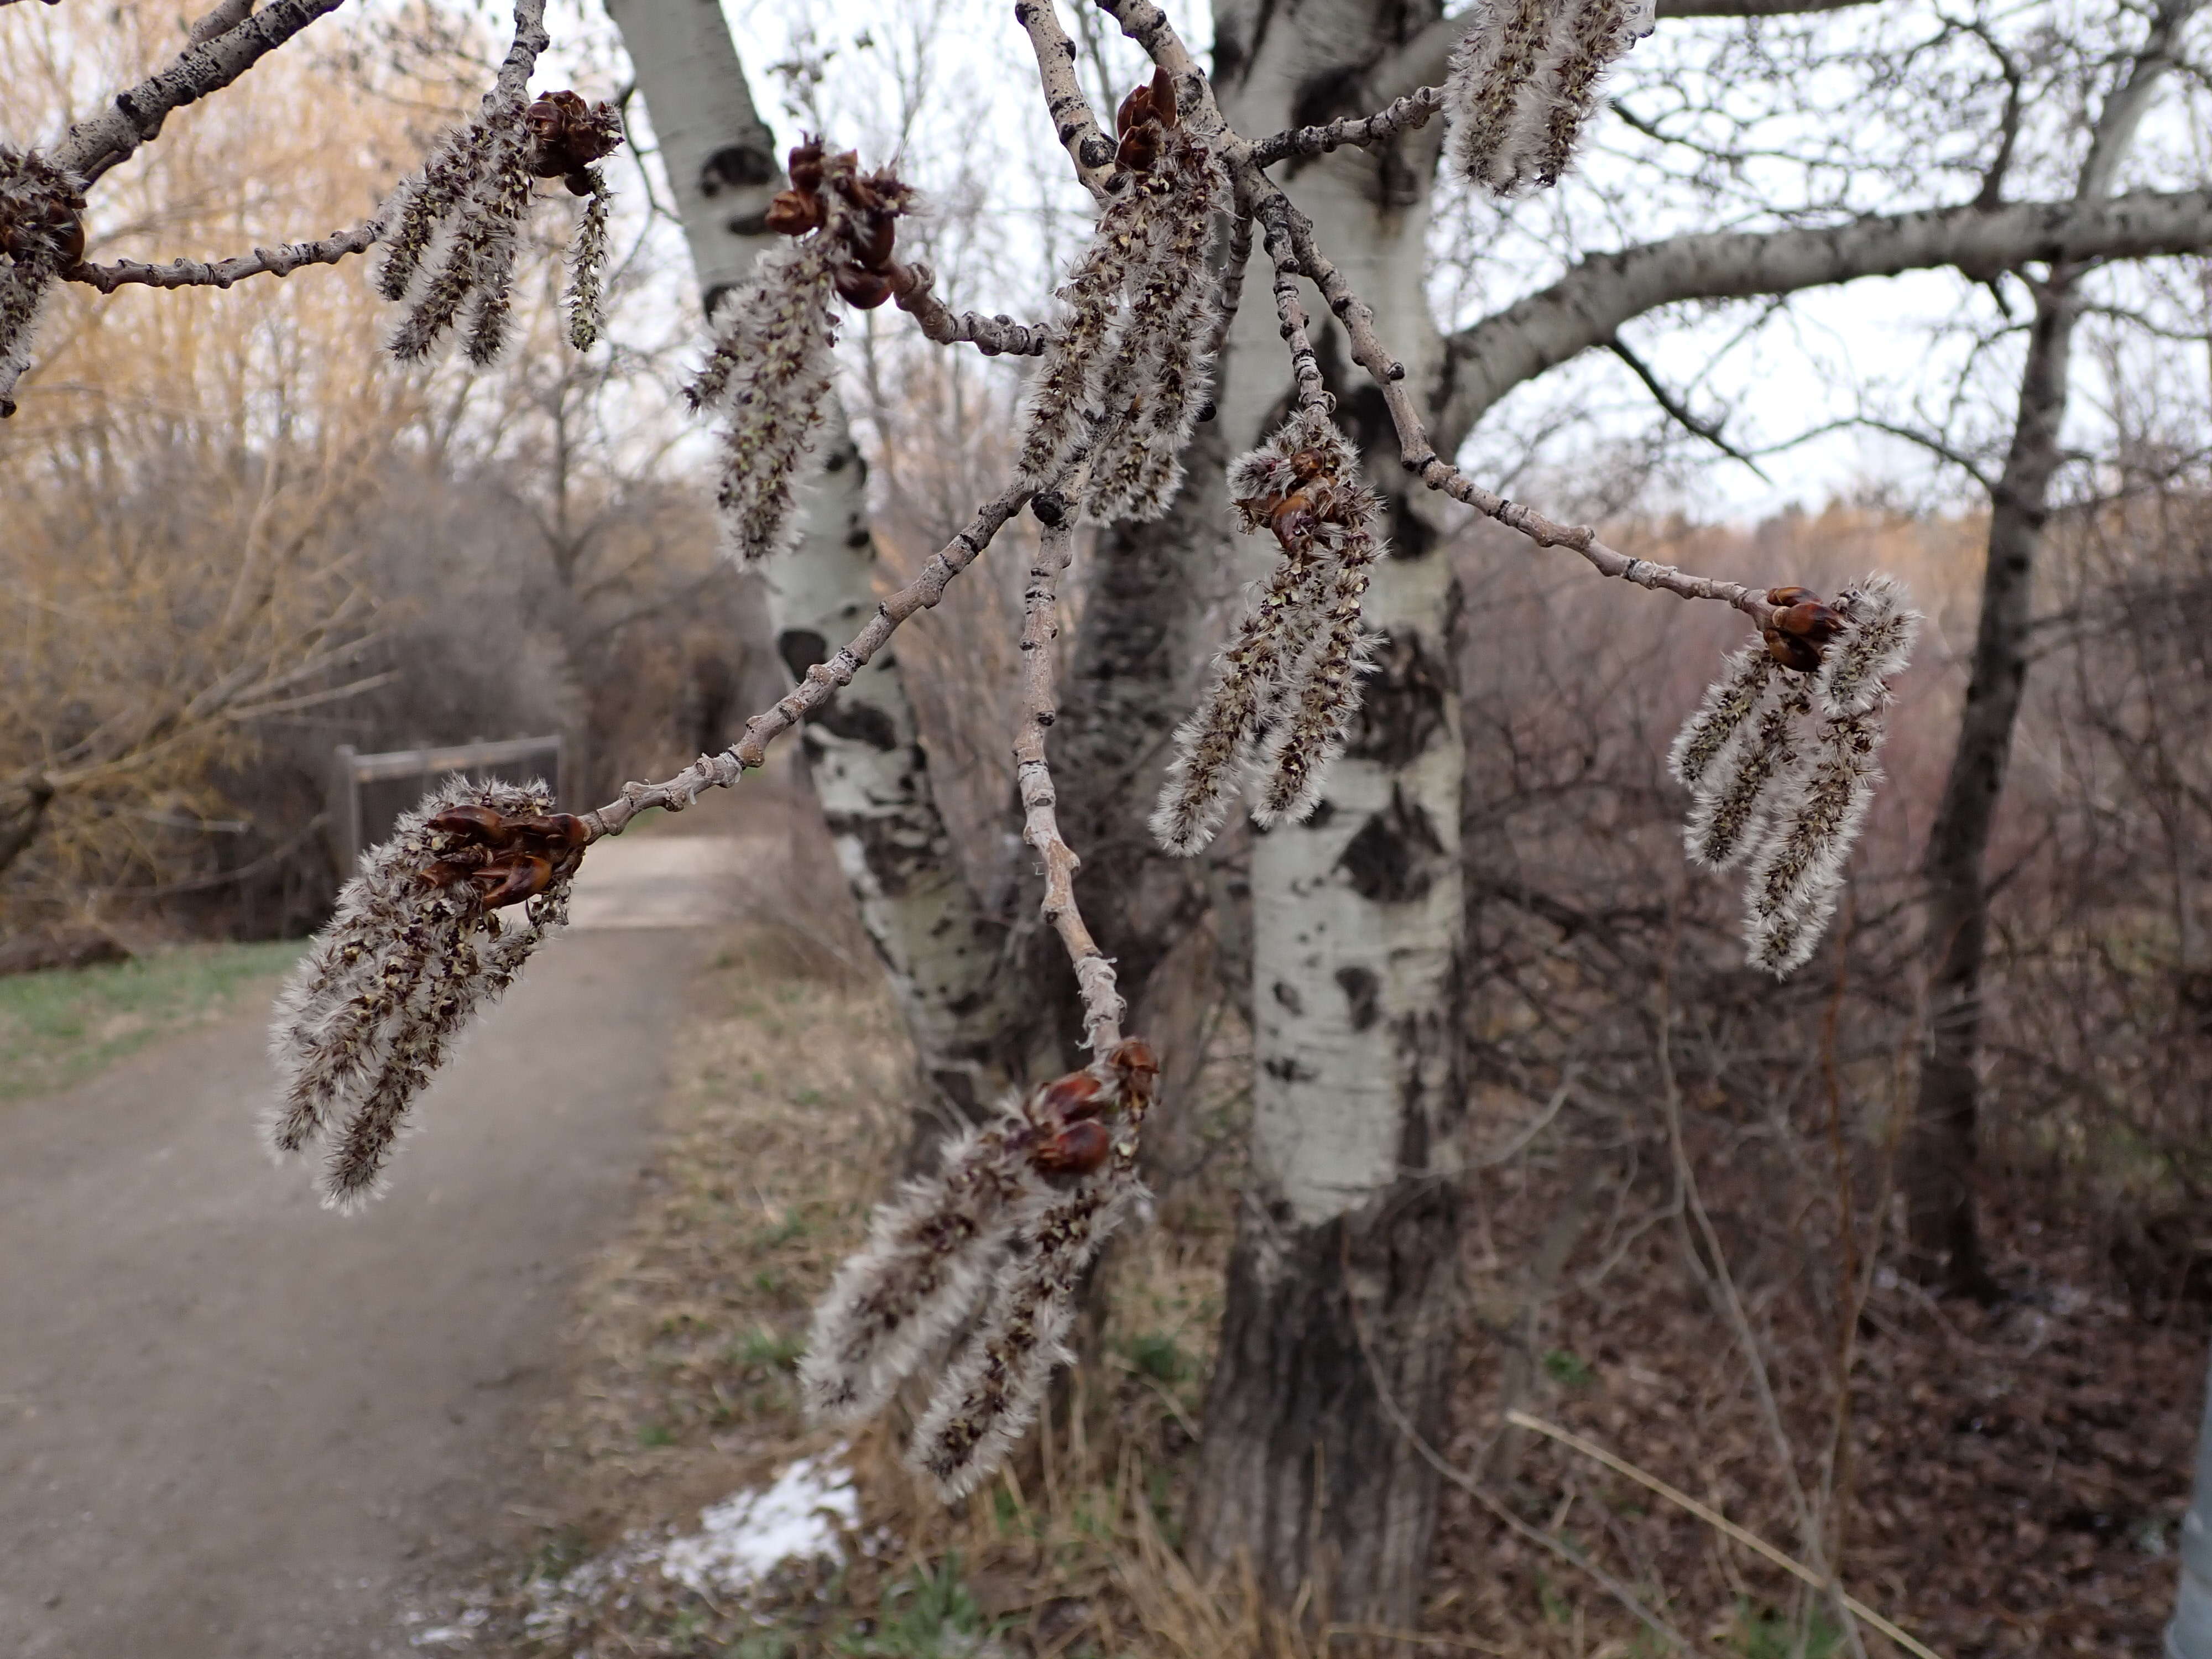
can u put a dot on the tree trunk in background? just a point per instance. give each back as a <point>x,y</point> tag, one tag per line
<point>1337,1333</point>
<point>941,948</point>
<point>1941,1224</point>
<point>1939,1159</point>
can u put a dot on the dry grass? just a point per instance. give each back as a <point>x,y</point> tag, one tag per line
<point>787,1117</point>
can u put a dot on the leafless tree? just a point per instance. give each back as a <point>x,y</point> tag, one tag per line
<point>1315,142</point>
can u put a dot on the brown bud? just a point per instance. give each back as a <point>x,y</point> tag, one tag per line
<point>864,290</point>
<point>558,831</point>
<point>1809,619</point>
<point>1799,655</point>
<point>1075,1150</point>
<point>807,166</point>
<point>567,135</point>
<point>512,880</point>
<point>793,213</point>
<point>1140,148</point>
<point>480,825</point>
<point>1067,1099</point>
<point>1133,1061</point>
<point>870,237</point>
<point>1164,98</point>
<point>1135,109</point>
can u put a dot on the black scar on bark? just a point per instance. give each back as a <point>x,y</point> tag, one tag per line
<point>857,722</point>
<point>1362,991</point>
<point>1287,994</point>
<point>737,166</point>
<point>1393,858</point>
<point>895,855</point>
<point>1404,705</point>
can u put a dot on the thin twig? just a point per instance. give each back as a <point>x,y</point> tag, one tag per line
<point>1290,322</point>
<point>1718,1521</point>
<point>1094,975</point>
<point>1404,115</point>
<point>1720,1283</point>
<point>221,273</point>
<point>1475,1489</point>
<point>912,290</point>
<point>822,680</point>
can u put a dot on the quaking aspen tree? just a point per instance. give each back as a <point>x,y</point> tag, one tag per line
<point>988,1254</point>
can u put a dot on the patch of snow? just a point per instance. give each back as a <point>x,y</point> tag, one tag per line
<point>804,1512</point>
<point>745,1536</point>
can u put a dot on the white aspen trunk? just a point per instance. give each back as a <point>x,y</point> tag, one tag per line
<point>1339,1321</point>
<point>941,948</point>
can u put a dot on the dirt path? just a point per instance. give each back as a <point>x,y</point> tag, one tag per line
<point>233,1427</point>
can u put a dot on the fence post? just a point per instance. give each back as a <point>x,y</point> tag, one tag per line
<point>345,812</point>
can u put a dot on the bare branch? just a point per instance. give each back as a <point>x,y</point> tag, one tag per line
<point>823,680</point>
<point>1676,409</point>
<point>992,336</point>
<point>1072,121</point>
<point>96,144</point>
<point>1588,306</point>
<point>1403,115</point>
<point>193,273</point>
<point>1094,975</point>
<point>225,16</point>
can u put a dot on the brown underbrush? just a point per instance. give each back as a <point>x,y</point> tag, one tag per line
<point>2009,1481</point>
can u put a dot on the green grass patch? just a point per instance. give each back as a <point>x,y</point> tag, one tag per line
<point>61,1026</point>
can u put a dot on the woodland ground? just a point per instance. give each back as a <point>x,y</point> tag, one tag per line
<point>2017,1474</point>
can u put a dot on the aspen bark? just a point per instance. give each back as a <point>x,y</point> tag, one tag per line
<point>1340,1320</point>
<point>941,948</point>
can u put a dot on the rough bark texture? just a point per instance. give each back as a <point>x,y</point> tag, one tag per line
<point>1320,1491</point>
<point>1307,1467</point>
<point>1941,1224</point>
<point>940,946</point>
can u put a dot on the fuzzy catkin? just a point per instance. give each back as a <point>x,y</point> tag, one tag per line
<point>24,286</point>
<point>989,1397</point>
<point>1734,793</point>
<point>1313,732</point>
<point>40,236</point>
<point>1728,703</point>
<point>1797,868</point>
<point>766,375</point>
<point>1252,674</point>
<point>422,202</point>
<point>585,298</point>
<point>474,247</point>
<point>1057,402</point>
<point>371,1011</point>
<point>1522,82</point>
<point>929,1257</point>
<point>1151,388</point>
<point>1299,649</point>
<point>1880,631</point>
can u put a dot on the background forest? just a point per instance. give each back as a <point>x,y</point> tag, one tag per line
<point>236,536</point>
